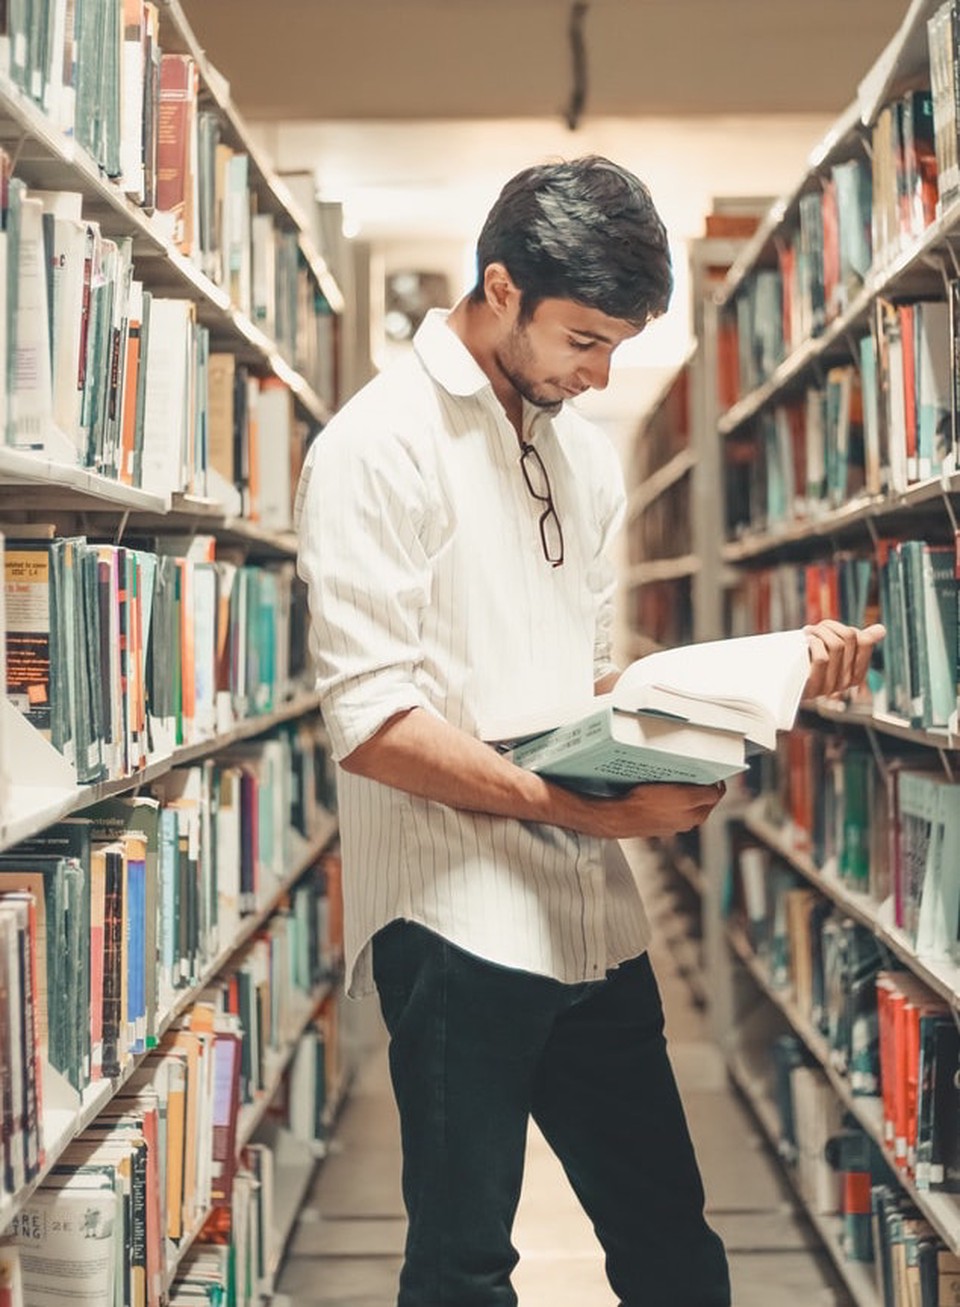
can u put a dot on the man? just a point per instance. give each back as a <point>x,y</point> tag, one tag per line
<point>454,525</point>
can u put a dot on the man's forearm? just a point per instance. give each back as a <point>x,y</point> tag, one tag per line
<point>425,756</point>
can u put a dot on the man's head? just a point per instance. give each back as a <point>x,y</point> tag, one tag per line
<point>586,231</point>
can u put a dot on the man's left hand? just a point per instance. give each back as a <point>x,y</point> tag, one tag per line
<point>839,656</point>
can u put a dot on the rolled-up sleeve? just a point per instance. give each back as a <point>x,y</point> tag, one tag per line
<point>362,506</point>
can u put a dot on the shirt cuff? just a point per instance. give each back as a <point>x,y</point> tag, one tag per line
<point>355,713</point>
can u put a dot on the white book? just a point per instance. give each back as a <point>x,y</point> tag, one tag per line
<point>31,399</point>
<point>68,1240</point>
<point>934,387</point>
<point>204,640</point>
<point>275,421</point>
<point>940,893</point>
<point>815,450</point>
<point>131,101</point>
<point>264,274</point>
<point>167,392</point>
<point>72,243</point>
<point>237,222</point>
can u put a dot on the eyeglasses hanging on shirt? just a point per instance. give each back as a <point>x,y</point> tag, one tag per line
<point>538,483</point>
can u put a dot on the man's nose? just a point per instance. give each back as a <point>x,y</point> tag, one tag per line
<point>596,373</point>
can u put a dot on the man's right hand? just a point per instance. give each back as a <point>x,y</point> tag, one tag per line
<point>642,812</point>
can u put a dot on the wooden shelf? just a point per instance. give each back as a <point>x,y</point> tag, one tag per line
<point>657,483</point>
<point>878,510</point>
<point>662,569</point>
<point>30,820</point>
<point>840,714</point>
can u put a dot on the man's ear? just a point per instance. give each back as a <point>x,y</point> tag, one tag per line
<point>501,294</point>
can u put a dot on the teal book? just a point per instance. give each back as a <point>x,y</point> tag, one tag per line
<point>611,750</point>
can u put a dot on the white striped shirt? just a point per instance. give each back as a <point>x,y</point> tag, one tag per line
<point>428,586</point>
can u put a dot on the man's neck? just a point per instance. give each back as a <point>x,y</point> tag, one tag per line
<point>475,325</point>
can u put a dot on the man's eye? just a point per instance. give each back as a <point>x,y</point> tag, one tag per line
<point>582,344</point>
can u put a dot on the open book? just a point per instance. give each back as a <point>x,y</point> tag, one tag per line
<point>682,714</point>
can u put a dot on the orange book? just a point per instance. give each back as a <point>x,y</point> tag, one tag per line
<point>131,373</point>
<point>901,1111</point>
<point>908,322</point>
<point>194,1046</point>
<point>885,989</point>
<point>176,1070</point>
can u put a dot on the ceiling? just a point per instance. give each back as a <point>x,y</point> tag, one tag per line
<point>439,59</point>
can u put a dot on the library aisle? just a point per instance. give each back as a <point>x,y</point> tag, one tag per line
<point>346,1248</point>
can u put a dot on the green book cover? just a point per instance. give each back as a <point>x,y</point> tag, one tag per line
<point>937,613</point>
<point>609,751</point>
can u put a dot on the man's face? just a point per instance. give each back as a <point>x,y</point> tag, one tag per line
<point>563,350</point>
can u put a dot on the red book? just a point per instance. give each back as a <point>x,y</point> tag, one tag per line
<point>178,111</point>
<point>831,250</point>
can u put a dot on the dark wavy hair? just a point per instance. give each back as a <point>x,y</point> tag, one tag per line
<point>585,230</point>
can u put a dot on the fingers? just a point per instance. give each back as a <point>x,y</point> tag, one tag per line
<point>839,656</point>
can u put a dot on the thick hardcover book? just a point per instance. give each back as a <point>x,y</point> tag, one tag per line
<point>611,749</point>
<point>749,686</point>
<point>682,715</point>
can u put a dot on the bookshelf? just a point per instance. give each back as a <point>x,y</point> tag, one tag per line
<point>836,443</point>
<point>254,289</point>
<point>671,586</point>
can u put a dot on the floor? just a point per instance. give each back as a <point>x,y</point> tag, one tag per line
<point>346,1248</point>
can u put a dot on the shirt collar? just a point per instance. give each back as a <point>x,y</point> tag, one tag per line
<point>446,357</point>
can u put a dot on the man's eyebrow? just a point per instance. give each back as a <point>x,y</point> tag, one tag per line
<point>590,335</point>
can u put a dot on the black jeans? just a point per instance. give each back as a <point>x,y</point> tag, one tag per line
<point>475,1050</point>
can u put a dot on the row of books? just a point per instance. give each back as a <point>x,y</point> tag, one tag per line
<point>892,834</point>
<point>662,612</point>
<point>840,1172</point>
<point>203,188</point>
<point>161,1170</point>
<point>100,75</point>
<point>118,654</point>
<point>789,595</point>
<point>99,371</point>
<point>891,1037</point>
<point>868,430</point>
<point>858,216</point>
<point>665,431</point>
<point>116,914</point>
<point>910,585</point>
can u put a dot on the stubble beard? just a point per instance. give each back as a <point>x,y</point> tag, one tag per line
<point>512,362</point>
